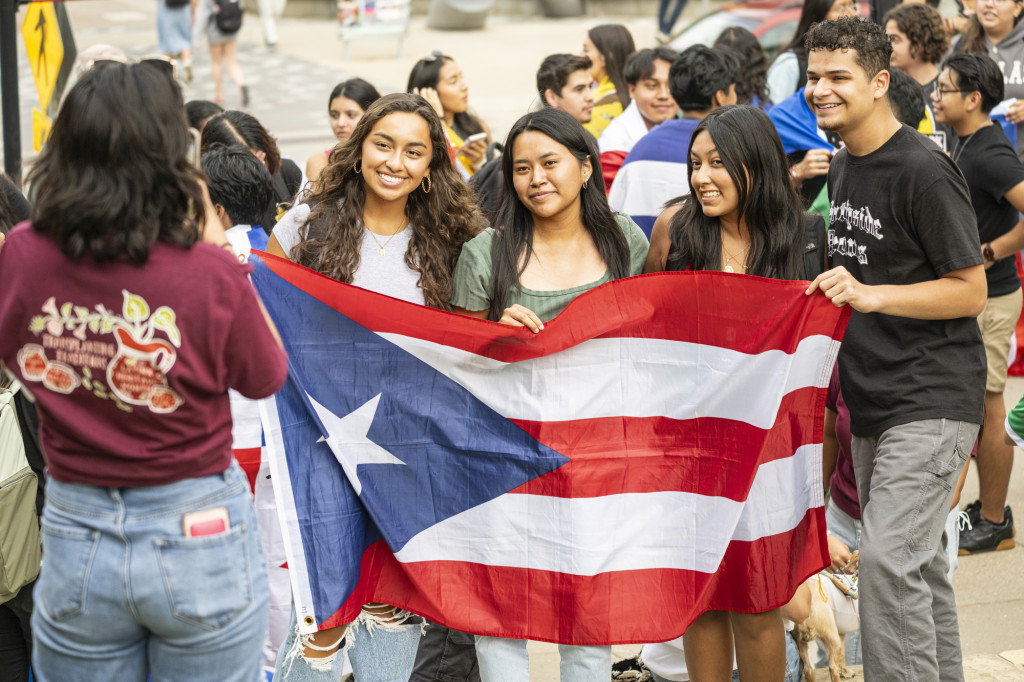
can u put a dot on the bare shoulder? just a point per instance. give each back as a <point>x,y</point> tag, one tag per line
<point>657,256</point>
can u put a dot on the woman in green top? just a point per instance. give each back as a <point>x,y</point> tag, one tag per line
<point>556,238</point>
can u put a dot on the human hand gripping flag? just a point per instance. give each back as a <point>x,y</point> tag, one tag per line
<point>654,453</point>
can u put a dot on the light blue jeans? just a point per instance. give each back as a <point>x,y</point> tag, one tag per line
<point>506,660</point>
<point>122,594</point>
<point>378,653</point>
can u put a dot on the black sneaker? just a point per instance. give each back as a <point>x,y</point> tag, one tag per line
<point>973,511</point>
<point>985,536</point>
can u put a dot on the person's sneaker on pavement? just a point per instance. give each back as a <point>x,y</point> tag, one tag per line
<point>984,536</point>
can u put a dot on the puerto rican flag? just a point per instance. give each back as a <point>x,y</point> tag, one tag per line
<point>653,453</point>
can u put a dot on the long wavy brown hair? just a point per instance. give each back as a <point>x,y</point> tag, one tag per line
<point>441,220</point>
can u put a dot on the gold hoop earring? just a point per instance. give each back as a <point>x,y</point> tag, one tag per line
<point>426,179</point>
<point>357,168</point>
<point>585,183</point>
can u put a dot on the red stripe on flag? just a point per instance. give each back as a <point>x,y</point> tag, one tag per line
<point>249,460</point>
<point>608,310</point>
<point>619,607</point>
<point>707,456</point>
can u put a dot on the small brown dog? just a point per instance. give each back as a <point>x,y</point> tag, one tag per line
<point>833,614</point>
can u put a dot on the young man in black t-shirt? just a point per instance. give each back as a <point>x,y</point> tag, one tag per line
<point>912,365</point>
<point>970,85</point>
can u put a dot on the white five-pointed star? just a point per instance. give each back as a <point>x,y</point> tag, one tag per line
<point>347,439</point>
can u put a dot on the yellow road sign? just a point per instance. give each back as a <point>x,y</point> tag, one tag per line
<point>45,48</point>
<point>41,124</point>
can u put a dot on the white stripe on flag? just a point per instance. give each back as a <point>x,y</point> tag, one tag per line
<point>302,594</point>
<point>588,536</point>
<point>656,378</point>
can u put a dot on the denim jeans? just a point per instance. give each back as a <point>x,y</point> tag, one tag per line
<point>506,660</point>
<point>122,594</point>
<point>905,481</point>
<point>378,653</point>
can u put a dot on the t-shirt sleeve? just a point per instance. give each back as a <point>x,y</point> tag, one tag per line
<point>947,226</point>
<point>256,365</point>
<point>1015,423</point>
<point>1002,170</point>
<point>288,230</point>
<point>637,241</point>
<point>782,77</point>
<point>472,279</point>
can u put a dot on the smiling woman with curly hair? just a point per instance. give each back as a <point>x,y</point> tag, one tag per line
<point>389,213</point>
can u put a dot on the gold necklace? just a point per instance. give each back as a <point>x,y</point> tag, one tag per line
<point>731,258</point>
<point>388,240</point>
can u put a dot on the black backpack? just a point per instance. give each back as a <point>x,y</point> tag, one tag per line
<point>228,15</point>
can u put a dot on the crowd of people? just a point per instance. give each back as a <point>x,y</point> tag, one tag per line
<point>879,160</point>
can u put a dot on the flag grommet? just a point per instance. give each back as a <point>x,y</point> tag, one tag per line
<point>308,620</point>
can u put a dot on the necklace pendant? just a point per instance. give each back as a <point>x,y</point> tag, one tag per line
<point>382,252</point>
<point>728,268</point>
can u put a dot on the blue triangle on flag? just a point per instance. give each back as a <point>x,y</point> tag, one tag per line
<point>455,452</point>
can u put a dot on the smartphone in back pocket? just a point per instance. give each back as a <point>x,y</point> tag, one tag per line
<point>206,522</point>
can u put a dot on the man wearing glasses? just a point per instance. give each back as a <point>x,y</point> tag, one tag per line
<point>969,86</point>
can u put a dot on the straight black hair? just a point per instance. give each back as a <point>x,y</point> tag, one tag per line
<point>812,12</point>
<point>356,89</point>
<point>200,111</point>
<point>426,73</point>
<point>615,43</point>
<point>753,71</point>
<point>977,72</point>
<point>769,206</point>
<point>640,65</point>
<point>514,224</point>
<point>238,127</point>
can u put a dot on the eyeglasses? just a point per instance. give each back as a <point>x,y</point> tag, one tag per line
<point>945,92</point>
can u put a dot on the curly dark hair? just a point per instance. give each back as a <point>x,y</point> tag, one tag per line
<point>114,178</point>
<point>441,221</point>
<point>924,28</point>
<point>868,41</point>
<point>753,74</point>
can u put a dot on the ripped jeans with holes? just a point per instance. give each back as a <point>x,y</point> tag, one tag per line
<point>381,645</point>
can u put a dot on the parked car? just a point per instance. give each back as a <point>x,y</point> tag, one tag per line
<point>772,21</point>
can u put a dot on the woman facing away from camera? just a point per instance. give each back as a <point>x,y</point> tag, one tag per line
<point>122,313</point>
<point>389,213</point>
<point>744,216</point>
<point>556,239</point>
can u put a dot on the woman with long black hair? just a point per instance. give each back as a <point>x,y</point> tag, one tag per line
<point>744,216</point>
<point>608,46</point>
<point>555,239</point>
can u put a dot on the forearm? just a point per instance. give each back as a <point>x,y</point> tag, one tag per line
<point>1009,243</point>
<point>946,298</point>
